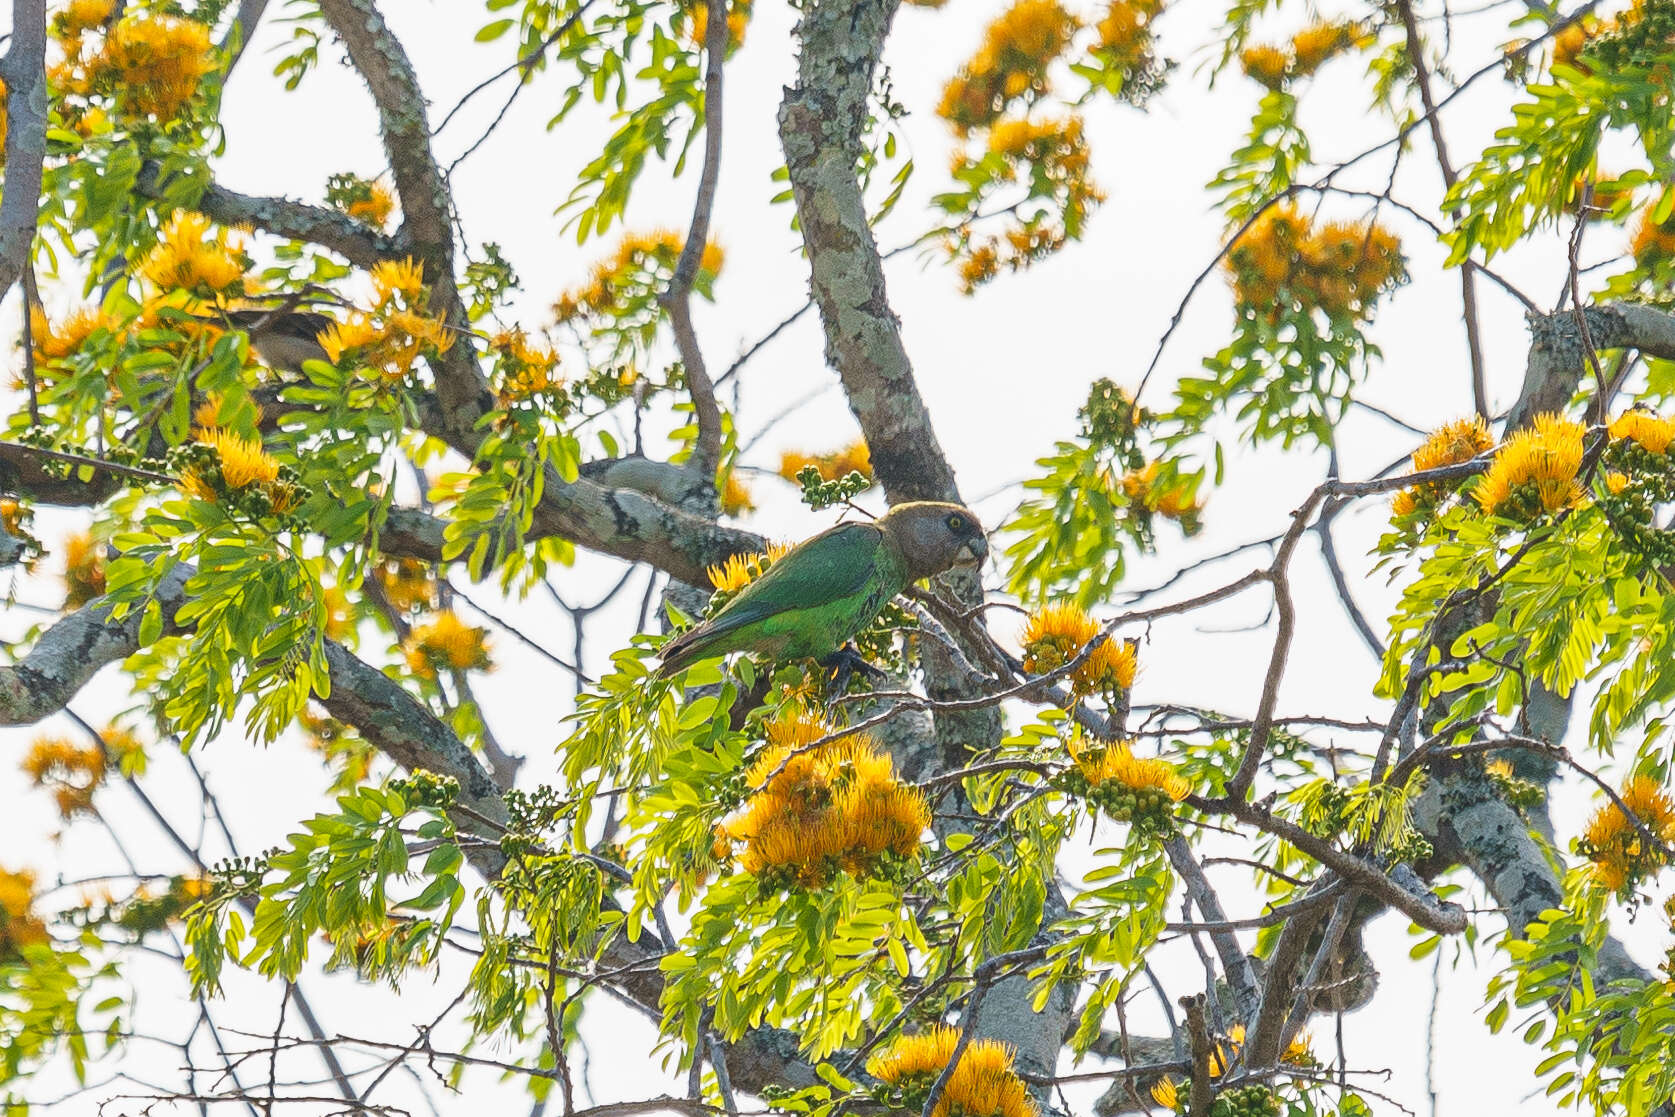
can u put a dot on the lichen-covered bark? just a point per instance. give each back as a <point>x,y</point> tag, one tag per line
<point>283,217</point>
<point>1557,358</point>
<point>820,124</point>
<point>24,70</point>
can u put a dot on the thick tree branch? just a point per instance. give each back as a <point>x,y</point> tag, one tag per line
<point>24,71</point>
<point>1558,358</point>
<point>820,125</point>
<point>360,244</point>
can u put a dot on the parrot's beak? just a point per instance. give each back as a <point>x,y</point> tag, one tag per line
<point>974,552</point>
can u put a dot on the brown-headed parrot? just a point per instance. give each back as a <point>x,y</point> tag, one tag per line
<point>826,589</point>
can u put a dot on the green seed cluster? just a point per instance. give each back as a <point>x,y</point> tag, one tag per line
<point>1651,482</point>
<point>1110,420</point>
<point>1520,794</point>
<point>1149,810</point>
<point>427,789</point>
<point>1246,1101</point>
<point>257,502</point>
<point>818,494</point>
<point>1639,43</point>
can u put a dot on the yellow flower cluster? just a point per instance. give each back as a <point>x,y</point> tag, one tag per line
<point>1057,632</point>
<point>1340,268</point>
<point>446,642</point>
<point>816,810</point>
<point>1310,49</point>
<point>697,13</point>
<point>72,772</point>
<point>150,64</point>
<point>1141,488</point>
<point>1104,765</point>
<point>408,585</point>
<point>1620,855</point>
<point>1653,242</point>
<point>735,496</point>
<point>740,570</point>
<point>1450,444</point>
<point>853,458</point>
<point>396,331</point>
<point>1125,33</point>
<point>190,256</point>
<point>1534,471</point>
<point>84,569</point>
<point>54,341</point>
<point>641,266</point>
<point>13,516</point>
<point>19,926</point>
<point>1654,433</point>
<point>1053,155</point>
<point>238,466</point>
<point>366,200</point>
<point>527,370</point>
<point>1012,62</point>
<point>984,1084</point>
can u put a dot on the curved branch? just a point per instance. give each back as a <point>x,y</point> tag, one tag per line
<point>359,244</point>
<point>677,299</point>
<point>24,71</point>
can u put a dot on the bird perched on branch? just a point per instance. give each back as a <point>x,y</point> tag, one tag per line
<point>827,589</point>
<point>283,338</point>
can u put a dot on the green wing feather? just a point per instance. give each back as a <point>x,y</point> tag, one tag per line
<point>841,577</point>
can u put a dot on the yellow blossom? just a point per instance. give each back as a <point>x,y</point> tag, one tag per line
<point>1534,471</point>
<point>19,926</point>
<point>639,268</point>
<point>1654,241</point>
<point>398,277</point>
<point>1653,432</point>
<point>1125,32</point>
<point>1620,854</point>
<point>1616,482</point>
<point>80,16</point>
<point>55,341</point>
<point>697,26</point>
<point>71,771</point>
<point>243,461</point>
<point>1017,49</point>
<point>446,641</point>
<point>1321,41</point>
<point>153,62</point>
<point>1104,764</point>
<point>1339,268</point>
<point>84,569</point>
<point>1453,443</point>
<point>818,809</point>
<point>853,458</point>
<point>742,569</point>
<point>372,205</point>
<point>1057,632</point>
<point>190,257</point>
<point>12,515</point>
<point>984,1083</point>
<point>1165,1093</point>
<point>735,496</point>
<point>408,584</point>
<point>1265,65</point>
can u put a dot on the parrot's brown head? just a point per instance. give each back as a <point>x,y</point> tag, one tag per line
<point>933,537</point>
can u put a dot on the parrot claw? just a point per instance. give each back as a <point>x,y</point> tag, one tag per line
<point>842,664</point>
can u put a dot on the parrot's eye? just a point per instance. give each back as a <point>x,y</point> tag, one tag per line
<point>956,522</point>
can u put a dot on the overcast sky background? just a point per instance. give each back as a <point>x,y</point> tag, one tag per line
<point>1002,373</point>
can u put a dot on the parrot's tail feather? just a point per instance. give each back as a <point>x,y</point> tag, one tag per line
<point>682,651</point>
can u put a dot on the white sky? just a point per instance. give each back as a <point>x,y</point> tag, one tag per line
<point>1003,373</point>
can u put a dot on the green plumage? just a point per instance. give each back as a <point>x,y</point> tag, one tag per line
<point>814,599</point>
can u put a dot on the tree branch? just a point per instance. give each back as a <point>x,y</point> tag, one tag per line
<point>677,299</point>
<point>24,71</point>
<point>820,122</point>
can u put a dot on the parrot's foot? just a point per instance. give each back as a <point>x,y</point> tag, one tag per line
<point>842,664</point>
